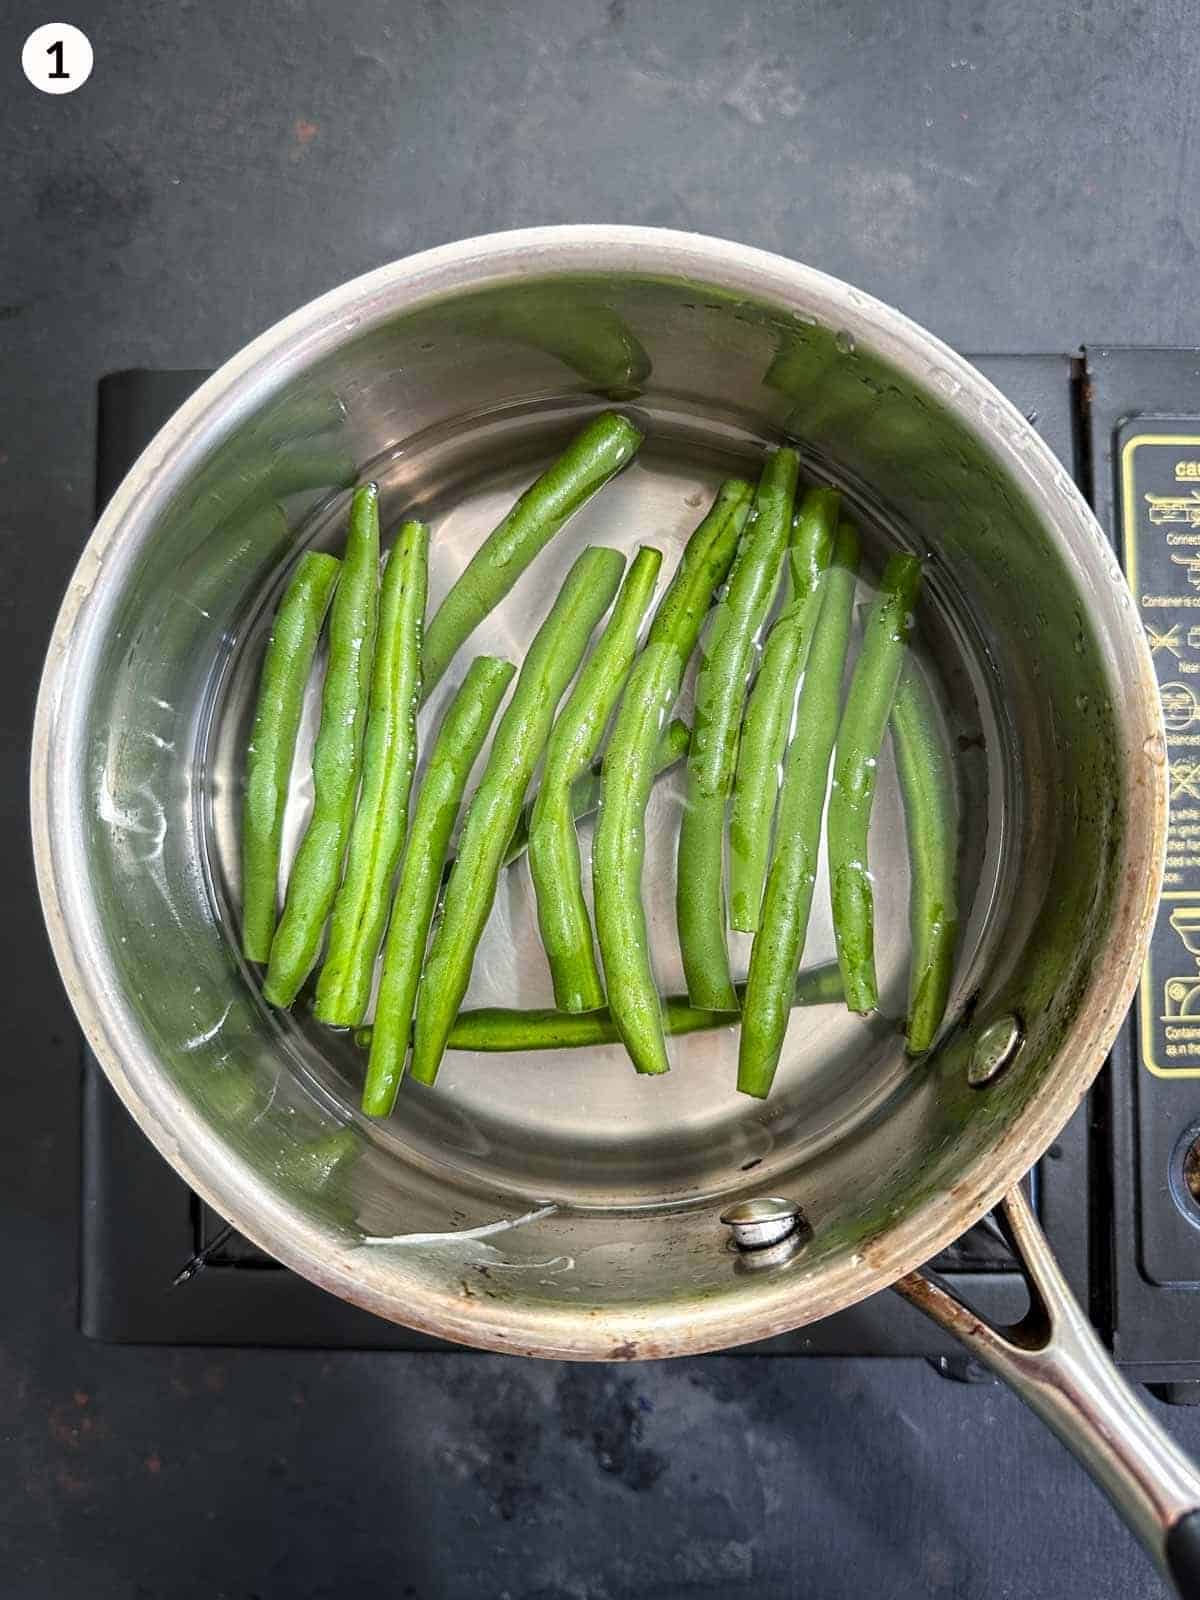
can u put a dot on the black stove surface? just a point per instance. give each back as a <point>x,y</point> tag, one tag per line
<point>1114,1193</point>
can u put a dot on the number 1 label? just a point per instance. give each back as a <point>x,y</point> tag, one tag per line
<point>57,58</point>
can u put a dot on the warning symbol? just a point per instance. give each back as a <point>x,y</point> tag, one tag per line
<point>1186,922</point>
<point>1181,998</point>
<point>1179,706</point>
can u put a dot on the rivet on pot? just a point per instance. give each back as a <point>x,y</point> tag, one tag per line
<point>995,1049</point>
<point>761,1222</point>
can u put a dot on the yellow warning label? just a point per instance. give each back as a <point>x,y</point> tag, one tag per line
<point>1161,526</point>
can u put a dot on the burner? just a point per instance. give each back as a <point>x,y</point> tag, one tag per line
<point>160,1267</point>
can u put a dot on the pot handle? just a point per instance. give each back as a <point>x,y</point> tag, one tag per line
<point>1056,1363</point>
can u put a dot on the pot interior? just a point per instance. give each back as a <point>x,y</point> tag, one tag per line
<point>453,399</point>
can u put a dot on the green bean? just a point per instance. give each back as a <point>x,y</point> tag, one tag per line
<point>459,741</point>
<point>360,910</point>
<point>931,821</point>
<point>569,321</point>
<point>619,843</point>
<point>772,701</point>
<point>550,664</point>
<point>585,791</point>
<point>787,900</point>
<point>553,847</point>
<point>498,1028</point>
<point>287,663</point>
<point>589,461</point>
<point>336,758</point>
<point>726,656</point>
<point>864,721</point>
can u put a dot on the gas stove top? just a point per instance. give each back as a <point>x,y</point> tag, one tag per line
<point>1119,1192</point>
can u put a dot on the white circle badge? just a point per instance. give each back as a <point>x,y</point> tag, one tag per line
<point>57,58</point>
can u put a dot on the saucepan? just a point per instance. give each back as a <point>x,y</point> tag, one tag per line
<point>557,1205</point>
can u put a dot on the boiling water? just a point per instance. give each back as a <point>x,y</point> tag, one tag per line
<point>580,1124</point>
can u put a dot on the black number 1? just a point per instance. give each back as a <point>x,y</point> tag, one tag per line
<point>56,50</point>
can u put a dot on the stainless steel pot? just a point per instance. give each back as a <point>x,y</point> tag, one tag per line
<point>559,1207</point>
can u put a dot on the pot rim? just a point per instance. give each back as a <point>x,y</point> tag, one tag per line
<point>217,408</point>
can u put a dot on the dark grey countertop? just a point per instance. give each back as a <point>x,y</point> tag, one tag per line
<point>1017,177</point>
